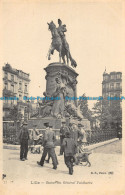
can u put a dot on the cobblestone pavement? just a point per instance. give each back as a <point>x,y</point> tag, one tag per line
<point>106,168</point>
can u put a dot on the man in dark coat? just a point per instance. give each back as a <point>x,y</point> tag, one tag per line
<point>69,151</point>
<point>24,137</point>
<point>49,139</point>
<point>75,132</point>
<point>63,131</point>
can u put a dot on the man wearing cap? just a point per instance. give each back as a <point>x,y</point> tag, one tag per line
<point>35,134</point>
<point>63,131</point>
<point>24,137</point>
<point>49,139</point>
<point>69,151</point>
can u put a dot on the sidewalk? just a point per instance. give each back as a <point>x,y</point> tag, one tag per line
<point>90,147</point>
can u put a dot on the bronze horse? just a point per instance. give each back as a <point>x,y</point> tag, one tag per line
<point>60,44</point>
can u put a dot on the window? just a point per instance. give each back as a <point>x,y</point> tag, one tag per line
<point>107,85</point>
<point>20,86</point>
<point>12,77</point>
<point>112,85</point>
<point>118,76</point>
<point>117,85</point>
<point>5,75</point>
<point>25,88</point>
<point>12,88</point>
<point>104,86</point>
<point>112,76</point>
<point>6,86</point>
<point>105,78</point>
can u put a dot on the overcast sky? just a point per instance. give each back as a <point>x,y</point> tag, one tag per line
<point>94,33</point>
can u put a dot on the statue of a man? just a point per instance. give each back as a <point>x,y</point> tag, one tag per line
<point>61,30</point>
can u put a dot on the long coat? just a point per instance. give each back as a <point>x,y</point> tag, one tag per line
<point>69,146</point>
<point>49,139</point>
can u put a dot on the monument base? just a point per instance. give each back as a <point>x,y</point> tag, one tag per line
<point>56,123</point>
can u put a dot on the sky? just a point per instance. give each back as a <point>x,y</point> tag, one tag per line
<point>95,33</point>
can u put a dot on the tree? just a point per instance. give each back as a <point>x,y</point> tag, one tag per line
<point>15,115</point>
<point>86,112</point>
<point>116,113</point>
<point>102,111</point>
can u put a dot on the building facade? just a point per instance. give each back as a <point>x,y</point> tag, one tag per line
<point>112,84</point>
<point>15,84</point>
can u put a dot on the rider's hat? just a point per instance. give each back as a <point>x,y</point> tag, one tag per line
<point>59,21</point>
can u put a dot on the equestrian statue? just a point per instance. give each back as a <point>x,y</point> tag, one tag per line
<point>59,43</point>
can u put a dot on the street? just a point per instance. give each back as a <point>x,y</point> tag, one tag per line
<point>106,167</point>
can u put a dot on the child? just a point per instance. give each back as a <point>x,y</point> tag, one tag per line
<point>69,151</point>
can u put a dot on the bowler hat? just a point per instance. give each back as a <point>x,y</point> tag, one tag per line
<point>46,124</point>
<point>25,123</point>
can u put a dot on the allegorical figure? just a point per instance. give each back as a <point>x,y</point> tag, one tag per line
<point>24,137</point>
<point>58,105</point>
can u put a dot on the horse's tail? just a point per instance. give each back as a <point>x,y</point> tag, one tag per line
<point>73,62</point>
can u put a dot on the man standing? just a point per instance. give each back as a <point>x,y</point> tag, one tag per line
<point>35,134</point>
<point>24,137</point>
<point>63,131</point>
<point>83,138</point>
<point>49,139</point>
<point>76,134</point>
<point>69,151</point>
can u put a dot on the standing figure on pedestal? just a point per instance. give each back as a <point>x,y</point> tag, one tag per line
<point>58,105</point>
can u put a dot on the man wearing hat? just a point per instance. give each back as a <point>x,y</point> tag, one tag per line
<point>24,137</point>
<point>75,132</point>
<point>69,151</point>
<point>63,131</point>
<point>83,138</point>
<point>49,139</point>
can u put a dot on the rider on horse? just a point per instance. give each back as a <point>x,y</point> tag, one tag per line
<point>61,29</point>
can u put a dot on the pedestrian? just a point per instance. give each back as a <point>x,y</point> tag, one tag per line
<point>69,151</point>
<point>76,133</point>
<point>24,137</point>
<point>49,145</point>
<point>35,134</point>
<point>47,161</point>
<point>63,131</point>
<point>83,138</point>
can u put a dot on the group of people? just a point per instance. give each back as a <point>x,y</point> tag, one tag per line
<point>71,138</point>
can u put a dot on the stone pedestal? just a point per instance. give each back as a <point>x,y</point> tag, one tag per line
<point>65,74</point>
<point>61,82</point>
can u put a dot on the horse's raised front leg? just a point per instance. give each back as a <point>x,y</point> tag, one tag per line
<point>51,51</point>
